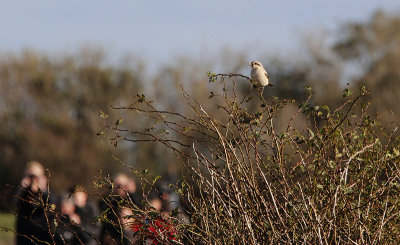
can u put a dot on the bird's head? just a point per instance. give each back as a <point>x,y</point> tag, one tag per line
<point>255,64</point>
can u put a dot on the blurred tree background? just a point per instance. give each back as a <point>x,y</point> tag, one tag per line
<point>51,106</point>
<point>49,112</point>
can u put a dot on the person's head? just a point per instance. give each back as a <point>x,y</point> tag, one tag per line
<point>121,184</point>
<point>34,168</point>
<point>34,177</point>
<point>165,192</point>
<point>155,201</point>
<point>131,185</point>
<point>123,213</point>
<point>67,205</point>
<point>80,198</point>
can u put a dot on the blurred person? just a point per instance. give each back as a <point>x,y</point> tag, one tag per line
<point>170,199</point>
<point>124,214</point>
<point>34,177</point>
<point>121,183</point>
<point>67,208</point>
<point>132,192</point>
<point>128,225</point>
<point>111,205</point>
<point>86,211</point>
<point>68,229</point>
<point>159,229</point>
<point>155,202</point>
<point>131,185</point>
<point>151,226</point>
<point>34,225</point>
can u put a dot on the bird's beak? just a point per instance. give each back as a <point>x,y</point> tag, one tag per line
<point>249,64</point>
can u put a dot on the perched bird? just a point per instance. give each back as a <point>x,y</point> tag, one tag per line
<point>259,75</point>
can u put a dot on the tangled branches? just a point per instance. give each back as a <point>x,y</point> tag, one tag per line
<point>247,181</point>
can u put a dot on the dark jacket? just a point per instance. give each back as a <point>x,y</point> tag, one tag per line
<point>34,224</point>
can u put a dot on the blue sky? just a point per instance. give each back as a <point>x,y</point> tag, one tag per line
<point>160,30</point>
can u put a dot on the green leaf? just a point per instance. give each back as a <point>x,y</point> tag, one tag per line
<point>396,152</point>
<point>211,77</point>
<point>363,90</point>
<point>156,178</point>
<point>311,133</point>
<point>325,107</point>
<point>119,121</point>
<point>103,115</point>
<point>141,98</point>
<point>347,93</point>
<point>308,90</point>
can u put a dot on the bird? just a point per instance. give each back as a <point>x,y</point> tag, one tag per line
<point>259,76</point>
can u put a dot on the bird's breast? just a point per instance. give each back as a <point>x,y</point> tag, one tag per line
<point>259,77</point>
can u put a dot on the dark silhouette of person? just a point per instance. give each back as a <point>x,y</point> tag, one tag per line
<point>133,194</point>
<point>112,232</point>
<point>69,231</point>
<point>86,212</point>
<point>35,220</point>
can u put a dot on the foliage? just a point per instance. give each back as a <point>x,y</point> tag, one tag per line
<point>297,166</point>
<point>49,105</point>
<point>247,182</point>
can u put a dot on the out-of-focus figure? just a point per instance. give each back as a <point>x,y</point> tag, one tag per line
<point>69,231</point>
<point>170,200</point>
<point>132,192</point>
<point>127,223</point>
<point>112,204</point>
<point>34,224</point>
<point>155,201</point>
<point>86,211</point>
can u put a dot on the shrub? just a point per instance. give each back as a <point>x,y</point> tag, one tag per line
<point>252,179</point>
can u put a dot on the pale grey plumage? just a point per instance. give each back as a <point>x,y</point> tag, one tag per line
<point>259,75</point>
